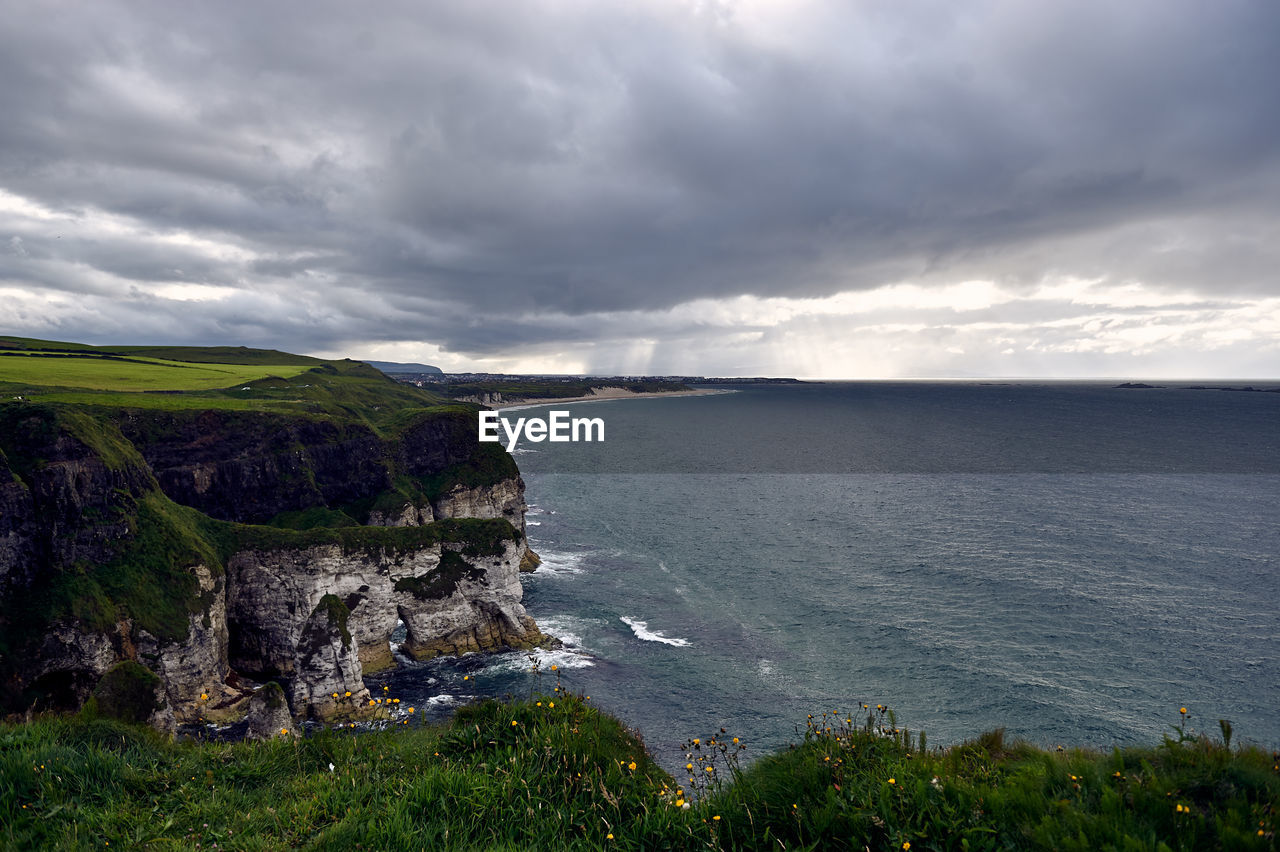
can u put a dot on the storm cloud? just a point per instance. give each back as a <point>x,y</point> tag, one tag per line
<point>813,188</point>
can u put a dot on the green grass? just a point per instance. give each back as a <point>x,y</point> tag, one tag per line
<point>552,772</point>
<point>202,378</point>
<point>131,374</point>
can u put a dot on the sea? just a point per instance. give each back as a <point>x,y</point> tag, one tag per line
<point>1073,562</point>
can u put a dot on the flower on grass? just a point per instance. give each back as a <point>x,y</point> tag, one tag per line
<point>716,818</point>
<point>892,781</point>
<point>284,732</point>
<point>514,723</point>
<point>632,766</point>
<point>609,836</point>
<point>906,844</point>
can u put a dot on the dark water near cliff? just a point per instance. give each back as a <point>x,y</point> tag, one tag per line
<point>1071,562</point>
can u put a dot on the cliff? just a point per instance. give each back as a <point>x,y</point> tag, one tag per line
<point>214,545</point>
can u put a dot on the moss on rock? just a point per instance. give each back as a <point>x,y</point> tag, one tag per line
<point>129,692</point>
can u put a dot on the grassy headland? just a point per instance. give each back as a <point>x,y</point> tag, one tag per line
<point>552,772</point>
<point>177,378</point>
<point>296,452</point>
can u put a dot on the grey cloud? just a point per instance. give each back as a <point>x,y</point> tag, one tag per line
<point>445,171</point>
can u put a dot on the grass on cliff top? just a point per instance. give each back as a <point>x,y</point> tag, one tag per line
<point>552,772</point>
<point>130,373</point>
<point>219,377</point>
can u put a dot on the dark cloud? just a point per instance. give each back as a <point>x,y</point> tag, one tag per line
<point>489,176</point>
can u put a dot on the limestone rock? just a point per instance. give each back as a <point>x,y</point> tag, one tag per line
<point>479,611</point>
<point>271,595</point>
<point>407,515</point>
<point>326,665</point>
<point>502,500</point>
<point>198,664</point>
<point>268,714</point>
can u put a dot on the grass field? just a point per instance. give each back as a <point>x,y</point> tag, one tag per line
<point>174,378</point>
<point>131,373</point>
<point>552,772</point>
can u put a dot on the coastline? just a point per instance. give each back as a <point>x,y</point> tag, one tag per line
<point>610,393</point>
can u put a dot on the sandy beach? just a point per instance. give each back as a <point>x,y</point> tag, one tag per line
<point>608,393</point>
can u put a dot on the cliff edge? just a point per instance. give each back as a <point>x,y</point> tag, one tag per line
<point>217,543</point>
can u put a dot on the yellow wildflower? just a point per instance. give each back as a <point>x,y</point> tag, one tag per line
<point>891,781</point>
<point>632,766</point>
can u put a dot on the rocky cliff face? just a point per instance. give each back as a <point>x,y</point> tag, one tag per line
<point>120,541</point>
<point>504,499</point>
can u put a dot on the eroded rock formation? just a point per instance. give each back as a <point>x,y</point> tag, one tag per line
<point>127,538</point>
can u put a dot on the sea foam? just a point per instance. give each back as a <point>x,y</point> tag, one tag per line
<point>642,631</point>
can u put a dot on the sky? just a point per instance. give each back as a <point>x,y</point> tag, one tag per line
<point>848,189</point>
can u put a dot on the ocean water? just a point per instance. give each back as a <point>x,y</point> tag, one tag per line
<point>1071,562</point>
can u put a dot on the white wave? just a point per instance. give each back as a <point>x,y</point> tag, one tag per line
<point>642,631</point>
<point>559,564</point>
<point>563,627</point>
<point>565,658</point>
<point>533,523</point>
<point>441,700</point>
